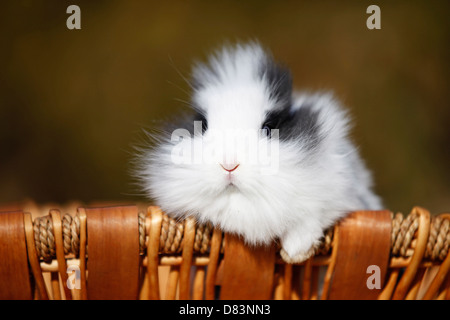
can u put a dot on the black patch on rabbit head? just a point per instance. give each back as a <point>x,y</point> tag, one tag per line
<point>299,124</point>
<point>279,82</point>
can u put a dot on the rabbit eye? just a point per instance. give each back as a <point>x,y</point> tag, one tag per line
<point>204,125</point>
<point>266,130</point>
<point>202,118</point>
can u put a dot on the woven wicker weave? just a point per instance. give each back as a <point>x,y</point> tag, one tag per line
<point>183,260</point>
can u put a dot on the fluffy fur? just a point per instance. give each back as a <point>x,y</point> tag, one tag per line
<point>320,176</point>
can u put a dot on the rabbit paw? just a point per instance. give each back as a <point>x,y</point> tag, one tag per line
<point>298,258</point>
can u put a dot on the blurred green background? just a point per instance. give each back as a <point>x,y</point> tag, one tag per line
<point>73,102</point>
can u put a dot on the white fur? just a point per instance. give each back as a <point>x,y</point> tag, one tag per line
<point>308,194</point>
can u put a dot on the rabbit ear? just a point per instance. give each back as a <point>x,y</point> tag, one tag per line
<point>228,65</point>
<point>244,64</point>
<point>279,82</point>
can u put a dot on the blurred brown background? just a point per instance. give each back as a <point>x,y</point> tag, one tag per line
<point>72,102</point>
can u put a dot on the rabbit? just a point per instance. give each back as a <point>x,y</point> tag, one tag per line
<point>315,175</point>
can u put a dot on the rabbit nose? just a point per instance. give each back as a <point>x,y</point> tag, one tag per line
<point>229,167</point>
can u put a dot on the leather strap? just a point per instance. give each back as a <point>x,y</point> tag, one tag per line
<point>363,247</point>
<point>188,251</point>
<point>62,265</point>
<point>153,252</point>
<point>113,261</point>
<point>248,272</point>
<point>14,273</point>
<point>33,257</point>
<point>213,264</point>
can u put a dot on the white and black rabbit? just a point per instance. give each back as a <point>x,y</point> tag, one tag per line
<point>318,178</point>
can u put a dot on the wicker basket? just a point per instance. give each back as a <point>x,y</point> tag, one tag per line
<point>135,252</point>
